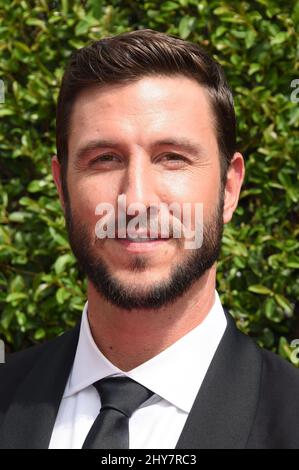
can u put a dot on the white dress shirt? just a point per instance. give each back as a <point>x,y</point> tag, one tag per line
<point>175,376</point>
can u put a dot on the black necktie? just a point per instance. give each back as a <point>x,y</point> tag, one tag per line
<point>120,397</point>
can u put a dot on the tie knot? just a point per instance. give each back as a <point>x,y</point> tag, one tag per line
<point>122,394</point>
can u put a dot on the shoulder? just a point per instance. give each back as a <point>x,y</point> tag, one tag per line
<point>20,365</point>
<point>272,367</point>
<point>275,365</point>
<point>276,423</point>
<point>279,377</point>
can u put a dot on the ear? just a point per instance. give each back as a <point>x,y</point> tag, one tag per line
<point>56,172</point>
<point>235,177</point>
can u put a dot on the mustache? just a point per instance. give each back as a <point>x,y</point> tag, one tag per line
<point>164,221</point>
<point>144,227</point>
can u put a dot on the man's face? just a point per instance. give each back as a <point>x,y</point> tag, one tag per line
<point>158,146</point>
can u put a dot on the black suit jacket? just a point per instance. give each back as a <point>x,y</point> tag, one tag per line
<point>249,397</point>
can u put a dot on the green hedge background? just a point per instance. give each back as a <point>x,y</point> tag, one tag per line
<point>41,291</point>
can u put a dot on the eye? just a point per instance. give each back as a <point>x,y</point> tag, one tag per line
<point>174,156</point>
<point>173,159</point>
<point>107,157</point>
<point>105,162</point>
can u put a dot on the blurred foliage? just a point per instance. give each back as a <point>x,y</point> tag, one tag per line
<point>41,291</point>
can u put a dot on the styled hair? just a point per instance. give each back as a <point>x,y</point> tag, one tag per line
<point>130,56</point>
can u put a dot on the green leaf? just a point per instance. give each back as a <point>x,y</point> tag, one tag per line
<point>250,38</point>
<point>169,5</point>
<point>223,10</point>
<point>6,112</point>
<point>293,264</point>
<point>186,26</point>
<point>279,38</point>
<point>39,334</point>
<point>59,239</point>
<point>7,316</point>
<point>62,295</point>
<point>37,185</point>
<point>260,289</point>
<point>16,296</point>
<point>62,261</point>
<point>18,217</point>
<point>284,303</point>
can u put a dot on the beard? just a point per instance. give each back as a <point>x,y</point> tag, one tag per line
<point>159,294</point>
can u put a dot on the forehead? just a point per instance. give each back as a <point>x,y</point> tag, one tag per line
<point>148,108</point>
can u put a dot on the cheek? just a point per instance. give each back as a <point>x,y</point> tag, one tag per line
<point>201,190</point>
<point>193,187</point>
<point>85,195</point>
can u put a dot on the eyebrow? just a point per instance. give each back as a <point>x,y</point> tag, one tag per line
<point>94,145</point>
<point>189,146</point>
<point>182,143</point>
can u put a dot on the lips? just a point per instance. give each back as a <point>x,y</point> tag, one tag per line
<point>143,235</point>
<point>143,238</point>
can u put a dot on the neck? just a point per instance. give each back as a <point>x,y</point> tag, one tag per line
<point>130,338</point>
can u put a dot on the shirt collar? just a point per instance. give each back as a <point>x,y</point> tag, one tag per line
<point>175,374</point>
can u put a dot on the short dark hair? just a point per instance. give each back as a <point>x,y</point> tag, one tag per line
<point>133,55</point>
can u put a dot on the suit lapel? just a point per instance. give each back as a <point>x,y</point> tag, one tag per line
<point>224,409</point>
<point>30,419</point>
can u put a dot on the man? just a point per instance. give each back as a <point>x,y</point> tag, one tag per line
<point>147,121</point>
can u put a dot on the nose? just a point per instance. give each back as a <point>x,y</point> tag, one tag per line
<point>139,183</point>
